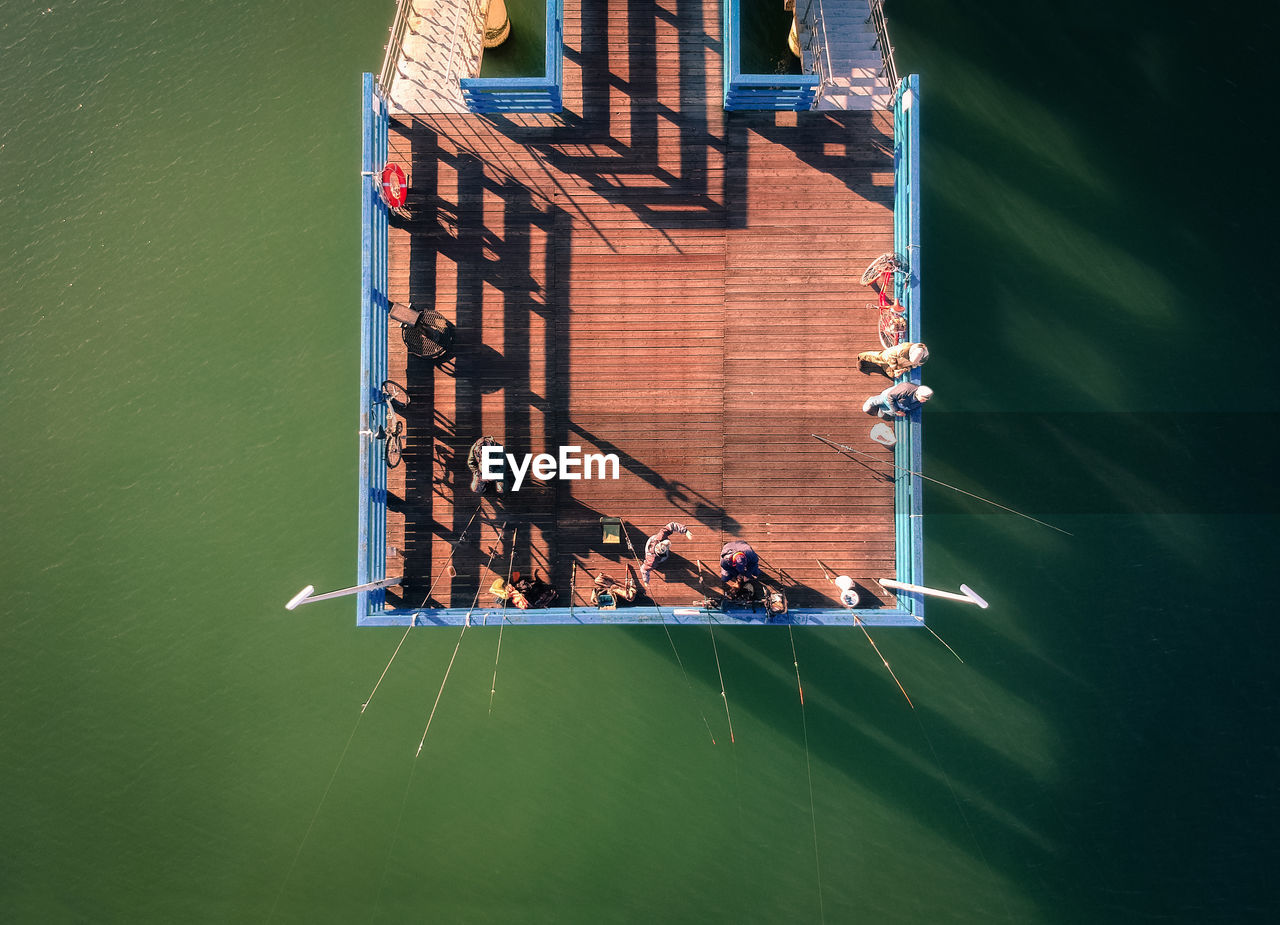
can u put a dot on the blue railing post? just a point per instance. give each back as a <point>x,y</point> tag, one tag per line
<point>909,451</point>
<point>374,221</point>
<point>758,91</point>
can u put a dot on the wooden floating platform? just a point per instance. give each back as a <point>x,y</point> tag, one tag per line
<point>647,275</point>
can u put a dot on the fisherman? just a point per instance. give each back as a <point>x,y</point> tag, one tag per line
<point>524,592</point>
<point>475,462</point>
<point>537,591</point>
<point>658,547</point>
<point>607,591</point>
<point>738,560</point>
<point>897,400</point>
<point>894,362</point>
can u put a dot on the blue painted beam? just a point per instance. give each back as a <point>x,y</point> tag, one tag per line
<point>909,451</point>
<point>793,92</point>
<point>636,616</point>
<point>372,473</point>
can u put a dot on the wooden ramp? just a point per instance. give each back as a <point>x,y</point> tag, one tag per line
<point>648,276</point>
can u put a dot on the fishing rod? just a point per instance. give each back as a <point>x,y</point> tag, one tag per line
<point>676,652</point>
<point>501,626</point>
<point>918,619</point>
<point>862,626</point>
<point>711,628</point>
<point>413,620</point>
<point>466,622</point>
<point>448,565</point>
<point>573,585</point>
<point>634,555</point>
<point>841,446</point>
<point>422,741</point>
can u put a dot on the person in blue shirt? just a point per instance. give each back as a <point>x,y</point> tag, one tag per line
<point>897,400</point>
<point>738,560</point>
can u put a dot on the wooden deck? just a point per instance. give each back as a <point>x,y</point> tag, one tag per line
<point>646,275</point>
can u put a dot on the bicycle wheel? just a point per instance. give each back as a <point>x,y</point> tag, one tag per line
<point>393,448</point>
<point>395,391</point>
<point>892,327</point>
<point>882,264</point>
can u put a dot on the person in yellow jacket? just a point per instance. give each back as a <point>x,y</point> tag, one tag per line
<point>894,362</point>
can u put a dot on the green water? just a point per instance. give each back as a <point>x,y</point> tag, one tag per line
<point>763,34</point>
<point>524,53</point>
<point>179,214</point>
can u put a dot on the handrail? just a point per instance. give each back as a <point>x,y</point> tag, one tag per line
<point>819,45</point>
<point>475,32</point>
<point>468,37</point>
<point>881,25</point>
<point>394,44</point>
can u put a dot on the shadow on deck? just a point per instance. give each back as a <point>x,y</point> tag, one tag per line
<point>648,276</point>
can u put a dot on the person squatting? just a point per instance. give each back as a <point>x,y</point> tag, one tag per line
<point>901,399</point>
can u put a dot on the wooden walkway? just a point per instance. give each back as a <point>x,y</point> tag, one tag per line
<point>649,276</point>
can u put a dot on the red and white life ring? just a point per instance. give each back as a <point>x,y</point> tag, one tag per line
<point>395,189</point>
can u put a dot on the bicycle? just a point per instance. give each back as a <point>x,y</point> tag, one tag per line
<point>392,432</point>
<point>882,276</point>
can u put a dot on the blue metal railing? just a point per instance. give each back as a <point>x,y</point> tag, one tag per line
<point>525,94</point>
<point>371,555</point>
<point>759,91</point>
<point>371,558</point>
<point>909,451</point>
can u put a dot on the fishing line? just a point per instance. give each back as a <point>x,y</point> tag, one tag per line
<point>861,626</point>
<point>723,695</point>
<point>466,621</point>
<point>395,835</point>
<point>919,619</point>
<point>314,817</point>
<point>973,835</point>
<point>465,624</point>
<point>452,552</point>
<point>364,706</point>
<point>841,446</point>
<point>679,661</point>
<point>886,662</point>
<point>501,626</point>
<point>937,637</point>
<point>808,766</point>
<point>413,620</point>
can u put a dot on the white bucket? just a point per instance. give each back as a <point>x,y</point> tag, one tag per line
<point>848,596</point>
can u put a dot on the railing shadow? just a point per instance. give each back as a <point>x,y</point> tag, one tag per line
<point>658,156</point>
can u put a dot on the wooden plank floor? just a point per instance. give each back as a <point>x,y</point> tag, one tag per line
<point>645,275</point>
